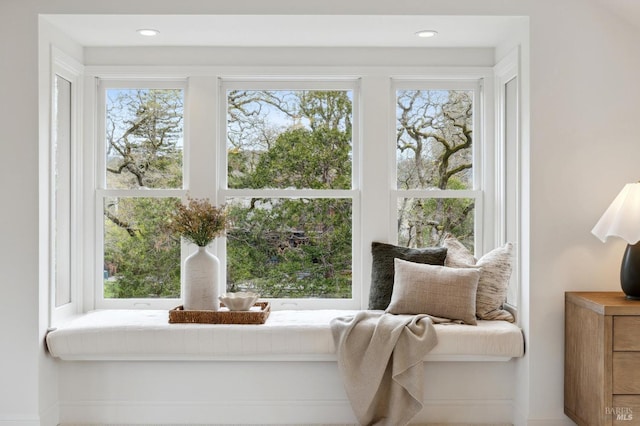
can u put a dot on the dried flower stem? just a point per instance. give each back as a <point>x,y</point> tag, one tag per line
<point>199,222</point>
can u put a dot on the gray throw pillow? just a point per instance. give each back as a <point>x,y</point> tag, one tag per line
<point>435,290</point>
<point>382,269</point>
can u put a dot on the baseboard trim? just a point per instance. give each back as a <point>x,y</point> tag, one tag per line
<point>465,411</point>
<point>50,415</point>
<point>206,412</point>
<point>551,422</point>
<point>279,412</point>
<point>19,420</point>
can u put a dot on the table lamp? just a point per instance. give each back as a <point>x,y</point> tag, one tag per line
<point>622,219</point>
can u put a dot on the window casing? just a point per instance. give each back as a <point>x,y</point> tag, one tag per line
<point>374,194</point>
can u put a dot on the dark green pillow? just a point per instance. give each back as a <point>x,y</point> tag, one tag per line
<point>382,270</point>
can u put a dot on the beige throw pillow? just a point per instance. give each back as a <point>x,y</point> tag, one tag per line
<point>494,279</point>
<point>434,290</point>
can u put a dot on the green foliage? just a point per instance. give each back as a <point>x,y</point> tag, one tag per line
<point>302,158</point>
<point>299,135</point>
<point>142,259</point>
<point>290,248</point>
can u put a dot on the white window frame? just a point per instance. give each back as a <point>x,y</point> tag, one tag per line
<point>102,192</point>
<point>300,83</point>
<point>70,70</point>
<point>508,184</point>
<point>374,184</point>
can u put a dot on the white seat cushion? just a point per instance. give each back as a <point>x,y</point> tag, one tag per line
<point>286,335</point>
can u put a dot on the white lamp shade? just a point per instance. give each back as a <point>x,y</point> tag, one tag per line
<point>622,218</point>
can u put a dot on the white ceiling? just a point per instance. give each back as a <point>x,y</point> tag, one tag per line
<point>286,30</point>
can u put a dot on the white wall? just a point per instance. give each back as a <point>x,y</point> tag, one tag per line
<point>19,216</point>
<point>582,150</point>
<point>48,371</point>
<point>584,110</point>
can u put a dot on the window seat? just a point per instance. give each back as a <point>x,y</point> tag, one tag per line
<point>288,335</point>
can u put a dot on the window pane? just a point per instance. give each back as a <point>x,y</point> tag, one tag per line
<point>423,222</point>
<point>290,248</point>
<point>141,258</point>
<point>62,190</point>
<point>144,138</point>
<point>511,173</point>
<point>434,138</point>
<point>289,139</point>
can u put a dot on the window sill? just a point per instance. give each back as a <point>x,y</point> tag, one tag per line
<point>110,335</point>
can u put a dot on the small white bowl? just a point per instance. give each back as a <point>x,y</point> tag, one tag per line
<point>240,301</point>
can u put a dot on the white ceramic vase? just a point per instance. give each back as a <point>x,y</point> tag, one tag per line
<point>201,272</point>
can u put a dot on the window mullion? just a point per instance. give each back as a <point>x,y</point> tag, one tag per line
<point>289,193</point>
<point>437,193</point>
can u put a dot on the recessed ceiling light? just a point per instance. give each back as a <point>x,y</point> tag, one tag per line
<point>148,32</point>
<point>426,33</point>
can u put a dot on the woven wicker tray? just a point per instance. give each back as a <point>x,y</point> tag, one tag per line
<point>223,316</point>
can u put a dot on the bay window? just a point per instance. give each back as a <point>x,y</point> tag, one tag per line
<point>286,155</point>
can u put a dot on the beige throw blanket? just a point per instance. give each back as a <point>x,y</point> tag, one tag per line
<point>380,358</point>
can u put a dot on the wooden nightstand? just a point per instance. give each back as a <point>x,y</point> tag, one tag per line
<point>602,359</point>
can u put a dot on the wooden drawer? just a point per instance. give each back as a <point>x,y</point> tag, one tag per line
<point>626,373</point>
<point>625,410</point>
<point>626,333</point>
